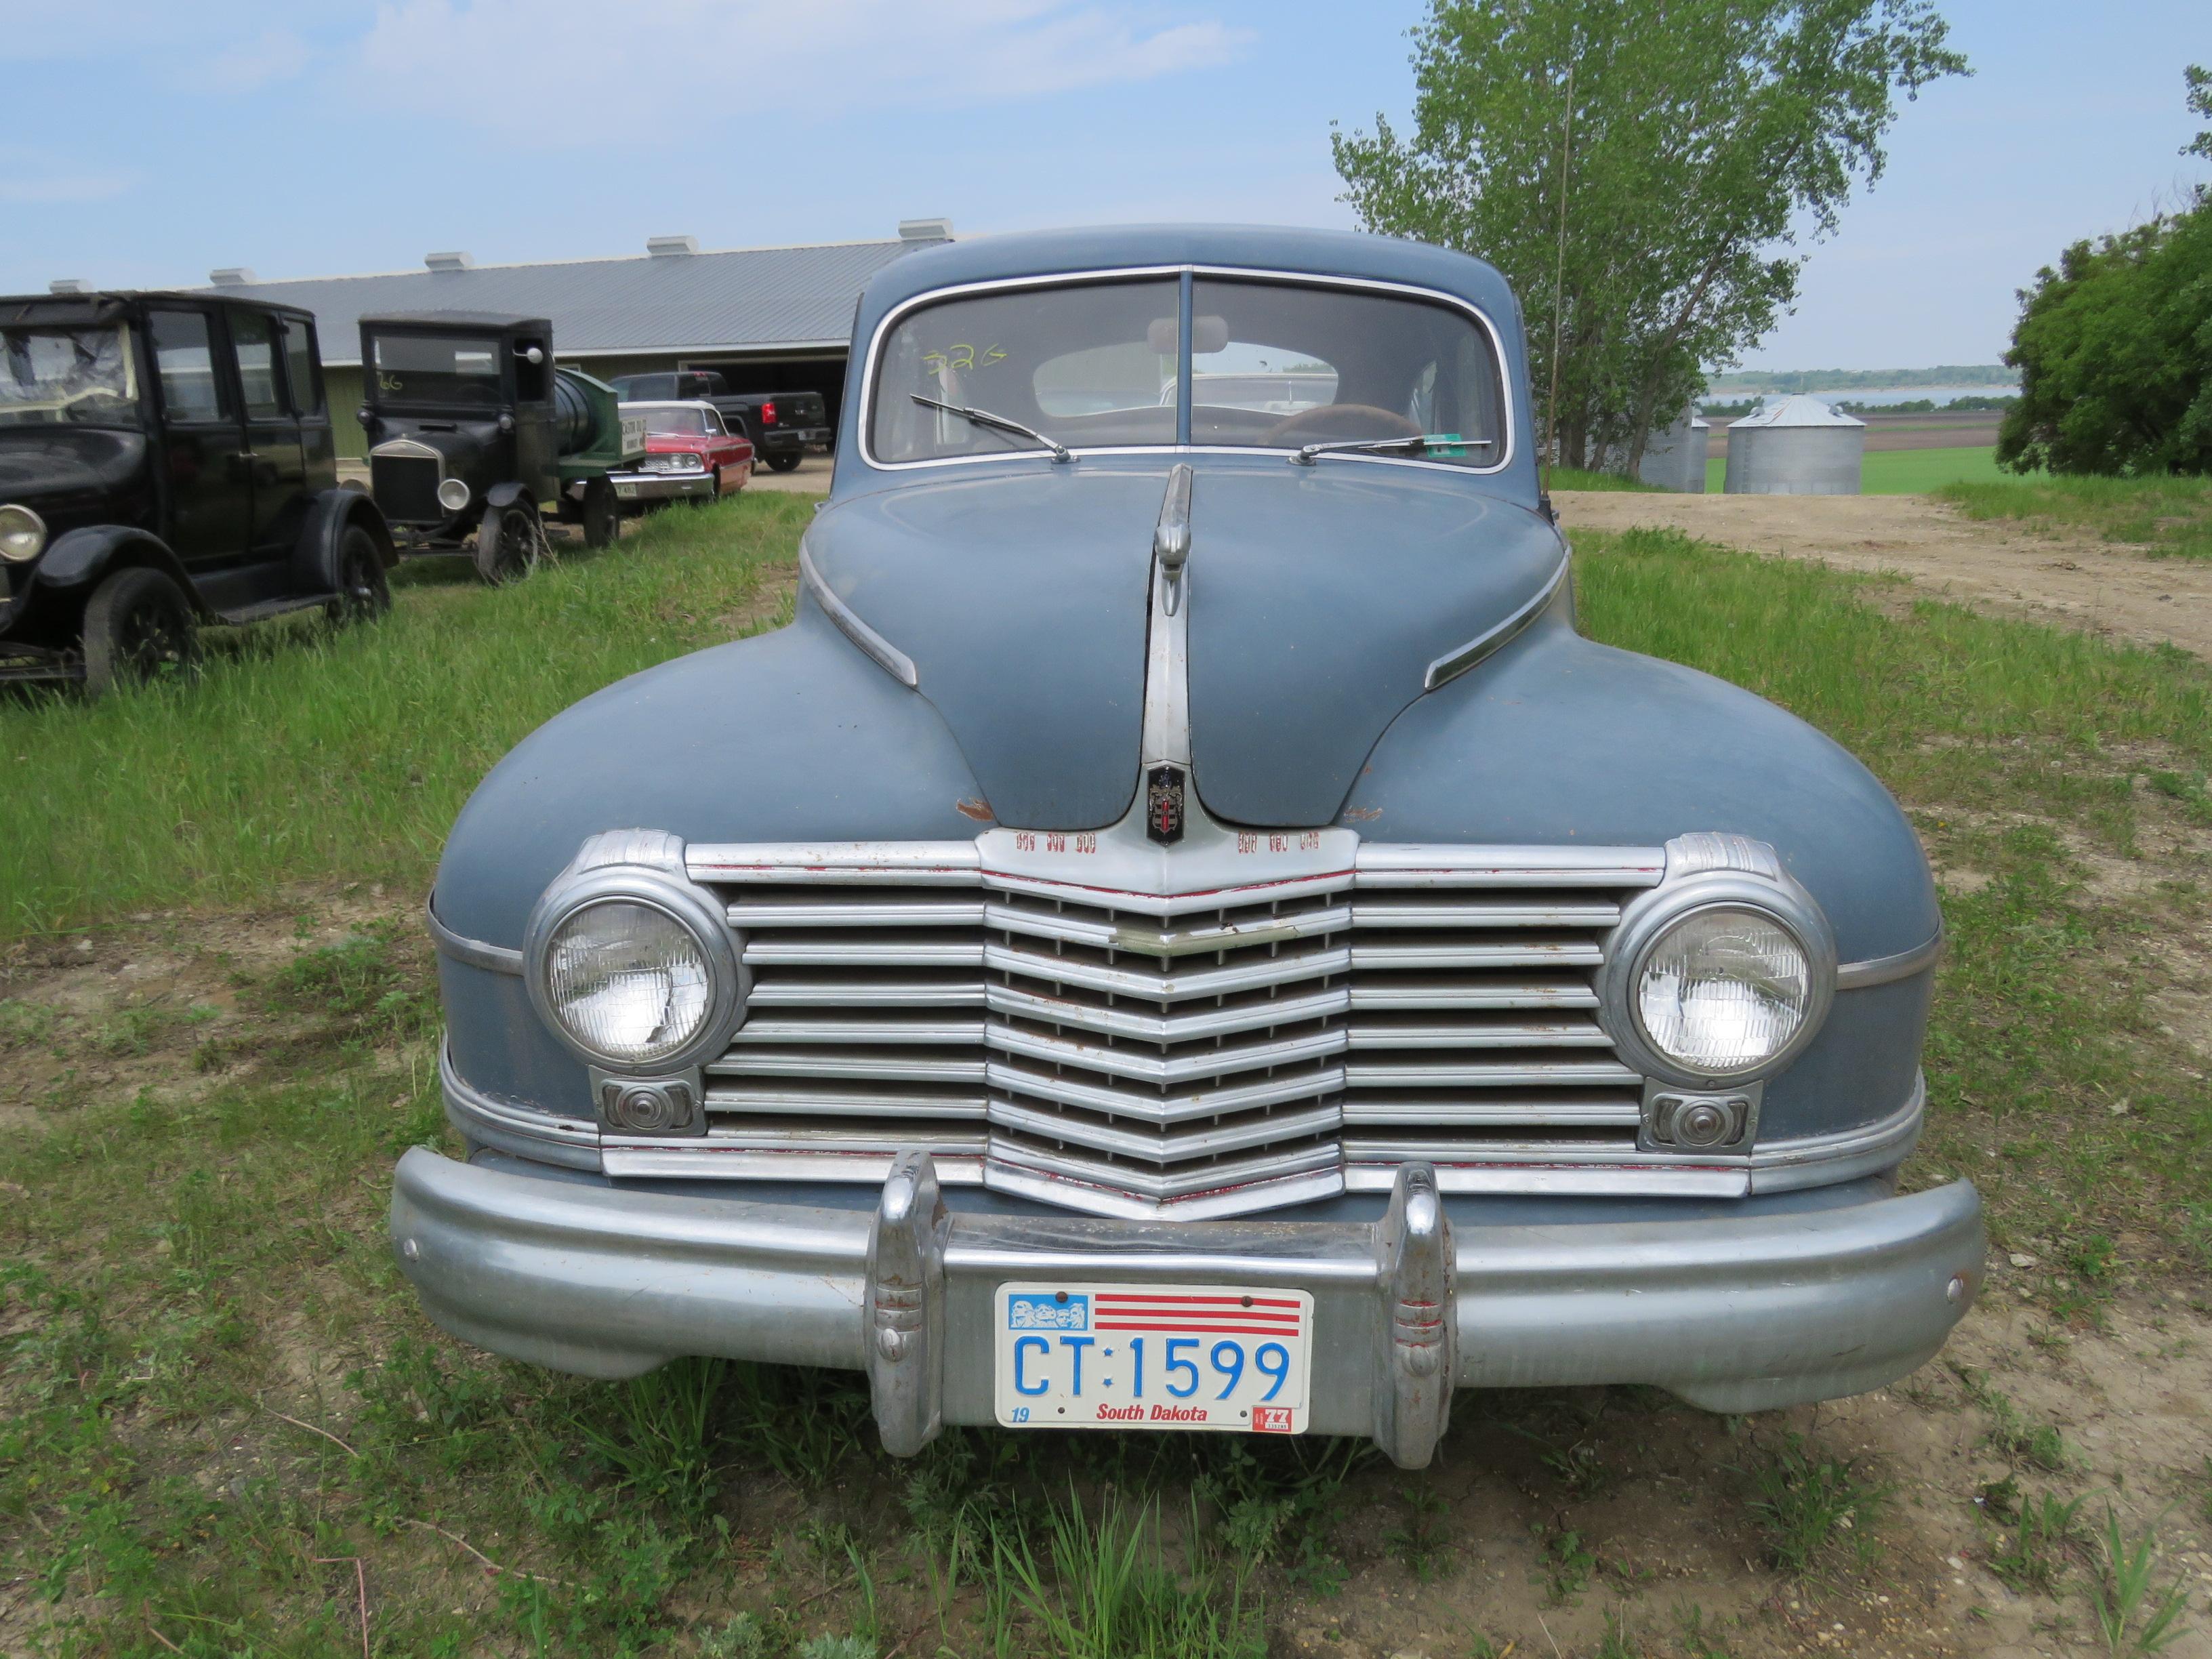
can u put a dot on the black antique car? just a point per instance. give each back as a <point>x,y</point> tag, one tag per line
<point>472,427</point>
<point>166,460</point>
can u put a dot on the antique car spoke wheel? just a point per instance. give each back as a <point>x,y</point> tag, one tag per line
<point>363,592</point>
<point>509,543</point>
<point>139,628</point>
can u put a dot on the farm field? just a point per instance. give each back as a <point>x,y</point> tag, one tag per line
<point>224,1428</point>
<point>1901,471</point>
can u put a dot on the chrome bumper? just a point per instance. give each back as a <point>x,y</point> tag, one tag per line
<point>660,486</point>
<point>1731,1314</point>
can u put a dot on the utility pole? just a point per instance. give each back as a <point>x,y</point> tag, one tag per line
<point>1559,288</point>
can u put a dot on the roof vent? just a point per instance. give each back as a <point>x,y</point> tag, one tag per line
<point>69,285</point>
<point>232,277</point>
<point>449,261</point>
<point>662,247</point>
<point>924,230</point>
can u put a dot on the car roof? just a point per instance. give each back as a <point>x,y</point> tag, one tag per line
<point>669,403</point>
<point>499,319</point>
<point>105,305</point>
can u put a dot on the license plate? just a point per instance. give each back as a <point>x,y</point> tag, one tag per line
<point>1153,1357</point>
<point>627,492</point>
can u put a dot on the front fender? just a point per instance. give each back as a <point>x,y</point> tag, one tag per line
<point>78,561</point>
<point>507,494</point>
<point>332,514</point>
<point>1557,740</point>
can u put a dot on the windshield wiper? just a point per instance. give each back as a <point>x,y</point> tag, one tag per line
<point>1061,452</point>
<point>1418,442</point>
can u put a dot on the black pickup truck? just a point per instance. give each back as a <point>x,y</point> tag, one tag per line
<point>782,425</point>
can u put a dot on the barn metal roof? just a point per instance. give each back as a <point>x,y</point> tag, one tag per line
<point>741,299</point>
<point>1802,409</point>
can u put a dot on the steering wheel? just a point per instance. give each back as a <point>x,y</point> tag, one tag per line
<point>1338,423</point>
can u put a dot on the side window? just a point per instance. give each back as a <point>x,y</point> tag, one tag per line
<point>184,360</point>
<point>302,366</point>
<point>714,425</point>
<point>254,334</point>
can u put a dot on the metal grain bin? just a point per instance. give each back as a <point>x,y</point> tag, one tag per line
<point>1795,446</point>
<point>1675,458</point>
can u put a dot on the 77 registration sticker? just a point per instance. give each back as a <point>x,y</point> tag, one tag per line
<point>1224,1357</point>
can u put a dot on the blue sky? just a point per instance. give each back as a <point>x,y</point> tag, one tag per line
<point>149,142</point>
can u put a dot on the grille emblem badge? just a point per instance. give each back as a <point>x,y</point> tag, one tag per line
<point>1163,804</point>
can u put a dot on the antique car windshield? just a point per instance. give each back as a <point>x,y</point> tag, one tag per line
<point>1082,363</point>
<point>690,422</point>
<point>52,376</point>
<point>1275,364</point>
<point>438,368</point>
<point>1282,365</point>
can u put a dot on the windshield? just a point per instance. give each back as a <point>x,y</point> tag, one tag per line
<point>688,422</point>
<point>1082,363</point>
<point>437,368</point>
<point>52,376</point>
<point>1275,364</point>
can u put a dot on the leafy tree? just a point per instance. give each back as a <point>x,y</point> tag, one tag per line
<point>1706,136</point>
<point>2114,349</point>
<point>2198,81</point>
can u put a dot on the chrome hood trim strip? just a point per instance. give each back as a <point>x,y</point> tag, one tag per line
<point>1455,662</point>
<point>1881,970</point>
<point>879,650</point>
<point>498,959</point>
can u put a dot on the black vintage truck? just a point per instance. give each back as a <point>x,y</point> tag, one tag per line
<point>167,461</point>
<point>782,425</point>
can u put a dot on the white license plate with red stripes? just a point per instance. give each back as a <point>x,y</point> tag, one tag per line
<point>1153,1357</point>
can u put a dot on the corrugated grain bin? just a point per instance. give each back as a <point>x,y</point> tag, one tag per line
<point>1675,458</point>
<point>1795,446</point>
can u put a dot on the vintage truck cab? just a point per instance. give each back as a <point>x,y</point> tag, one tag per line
<point>473,429</point>
<point>166,461</point>
<point>1180,931</point>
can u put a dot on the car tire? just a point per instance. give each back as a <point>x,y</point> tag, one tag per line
<point>509,541</point>
<point>786,462</point>
<point>363,593</point>
<point>139,628</point>
<point>602,514</point>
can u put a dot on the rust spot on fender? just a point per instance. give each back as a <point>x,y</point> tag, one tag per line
<point>978,810</point>
<point>1363,814</point>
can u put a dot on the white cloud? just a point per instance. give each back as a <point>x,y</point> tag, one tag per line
<point>28,175</point>
<point>276,54</point>
<point>508,63</point>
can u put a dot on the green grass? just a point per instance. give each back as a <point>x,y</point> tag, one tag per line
<point>2171,518</point>
<point>1575,478</point>
<point>1900,471</point>
<point>217,1393</point>
<point>305,755</point>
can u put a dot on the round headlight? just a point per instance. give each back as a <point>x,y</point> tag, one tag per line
<point>453,495</point>
<point>628,982</point>
<point>23,533</point>
<point>1724,990</point>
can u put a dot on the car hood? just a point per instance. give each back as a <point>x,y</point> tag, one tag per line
<point>58,463</point>
<point>1318,598</point>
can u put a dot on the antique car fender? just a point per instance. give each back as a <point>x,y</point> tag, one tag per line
<point>84,555</point>
<point>790,736</point>
<point>507,492</point>
<point>1555,739</point>
<point>331,515</point>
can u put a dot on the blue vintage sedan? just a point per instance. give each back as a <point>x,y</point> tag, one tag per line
<point>1180,931</point>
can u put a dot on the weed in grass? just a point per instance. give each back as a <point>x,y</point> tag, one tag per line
<point>2030,1552</point>
<point>362,984</point>
<point>2039,1445</point>
<point>741,1637</point>
<point>1279,1502</point>
<point>803,1422</point>
<point>656,1432</point>
<point>1420,1544</point>
<point>2135,1614</point>
<point>1113,1595</point>
<point>1808,1505</point>
<point>835,1647</point>
<point>1568,1560</point>
<point>1696,1639</point>
<point>1616,1642</point>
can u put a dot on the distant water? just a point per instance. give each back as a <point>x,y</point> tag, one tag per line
<point>1877,396</point>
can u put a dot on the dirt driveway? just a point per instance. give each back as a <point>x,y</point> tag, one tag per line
<point>2087,584</point>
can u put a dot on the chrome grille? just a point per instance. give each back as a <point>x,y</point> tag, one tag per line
<point>1114,1051</point>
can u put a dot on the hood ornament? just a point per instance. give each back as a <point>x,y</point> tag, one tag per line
<point>1172,536</point>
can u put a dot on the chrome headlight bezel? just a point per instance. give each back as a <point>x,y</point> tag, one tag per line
<point>25,529</point>
<point>1647,921</point>
<point>689,907</point>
